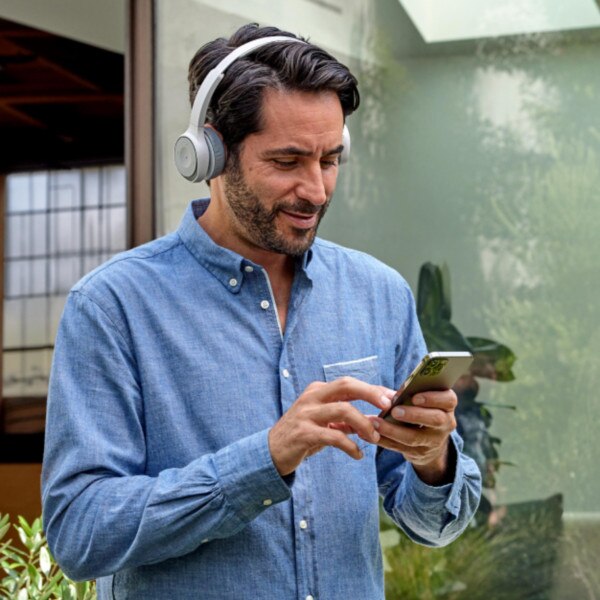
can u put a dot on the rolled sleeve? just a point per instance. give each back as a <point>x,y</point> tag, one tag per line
<point>434,515</point>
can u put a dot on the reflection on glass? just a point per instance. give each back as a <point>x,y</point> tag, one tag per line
<point>59,226</point>
<point>488,161</point>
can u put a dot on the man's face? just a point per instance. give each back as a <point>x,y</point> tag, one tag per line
<point>278,188</point>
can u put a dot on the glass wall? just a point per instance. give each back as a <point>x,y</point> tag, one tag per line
<point>481,154</point>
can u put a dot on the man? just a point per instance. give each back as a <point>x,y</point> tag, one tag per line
<point>212,428</point>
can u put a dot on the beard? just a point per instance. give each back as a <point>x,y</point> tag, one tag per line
<point>257,224</point>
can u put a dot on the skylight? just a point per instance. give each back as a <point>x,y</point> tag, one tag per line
<point>452,20</point>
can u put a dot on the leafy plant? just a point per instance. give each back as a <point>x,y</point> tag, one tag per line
<point>511,561</point>
<point>493,361</point>
<point>509,551</point>
<point>30,572</point>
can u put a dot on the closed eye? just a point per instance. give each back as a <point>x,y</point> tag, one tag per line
<point>284,164</point>
<point>326,164</point>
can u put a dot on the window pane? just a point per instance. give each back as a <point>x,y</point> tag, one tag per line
<point>56,231</point>
<point>65,232</point>
<point>65,189</point>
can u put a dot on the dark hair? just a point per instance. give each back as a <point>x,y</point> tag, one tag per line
<point>235,108</point>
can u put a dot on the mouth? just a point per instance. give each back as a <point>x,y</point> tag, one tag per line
<point>301,220</point>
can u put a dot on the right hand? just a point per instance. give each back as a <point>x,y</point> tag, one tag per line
<point>322,416</point>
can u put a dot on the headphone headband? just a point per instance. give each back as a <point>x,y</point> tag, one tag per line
<point>211,81</point>
<point>199,152</point>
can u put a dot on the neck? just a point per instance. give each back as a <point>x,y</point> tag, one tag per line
<point>216,222</point>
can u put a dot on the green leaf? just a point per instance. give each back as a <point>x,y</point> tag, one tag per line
<point>433,298</point>
<point>446,298</point>
<point>492,359</point>
<point>36,527</point>
<point>53,586</point>
<point>25,525</point>
<point>68,591</point>
<point>24,537</point>
<point>11,572</point>
<point>33,573</point>
<point>5,520</point>
<point>444,336</point>
<point>3,529</point>
<point>45,562</point>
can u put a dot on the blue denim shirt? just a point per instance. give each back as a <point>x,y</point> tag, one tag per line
<point>169,369</point>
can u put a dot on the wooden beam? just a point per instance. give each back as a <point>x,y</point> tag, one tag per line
<point>59,98</point>
<point>139,122</point>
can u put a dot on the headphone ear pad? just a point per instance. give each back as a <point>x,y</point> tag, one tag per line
<point>216,152</point>
<point>345,155</point>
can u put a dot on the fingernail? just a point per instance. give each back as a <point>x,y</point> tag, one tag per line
<point>418,400</point>
<point>375,423</point>
<point>398,412</point>
<point>375,437</point>
<point>390,393</point>
<point>360,454</point>
<point>385,401</point>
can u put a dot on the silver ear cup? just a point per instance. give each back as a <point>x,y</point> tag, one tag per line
<point>186,157</point>
<point>345,155</point>
<point>216,153</point>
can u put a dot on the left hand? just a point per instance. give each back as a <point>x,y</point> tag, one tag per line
<point>426,446</point>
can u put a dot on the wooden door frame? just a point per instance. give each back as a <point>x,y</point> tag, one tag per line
<point>139,122</point>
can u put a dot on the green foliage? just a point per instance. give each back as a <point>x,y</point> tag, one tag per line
<point>509,551</point>
<point>493,361</point>
<point>30,572</point>
<point>510,560</point>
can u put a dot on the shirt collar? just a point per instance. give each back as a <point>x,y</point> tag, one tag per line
<point>226,265</point>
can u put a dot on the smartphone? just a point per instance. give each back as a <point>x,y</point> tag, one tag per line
<point>437,371</point>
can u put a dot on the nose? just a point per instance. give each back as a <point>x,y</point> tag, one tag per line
<point>311,186</point>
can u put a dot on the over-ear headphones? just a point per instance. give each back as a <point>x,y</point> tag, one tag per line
<point>199,152</point>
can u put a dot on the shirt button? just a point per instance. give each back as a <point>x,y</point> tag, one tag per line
<point>248,268</point>
<point>285,373</point>
<point>265,304</point>
<point>233,282</point>
<point>309,597</point>
<point>267,502</point>
<point>303,524</point>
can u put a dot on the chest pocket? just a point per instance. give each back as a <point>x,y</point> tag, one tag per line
<point>365,369</point>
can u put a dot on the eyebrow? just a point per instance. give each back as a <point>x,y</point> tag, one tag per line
<point>294,151</point>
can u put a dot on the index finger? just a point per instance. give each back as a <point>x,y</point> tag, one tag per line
<point>345,389</point>
<point>444,400</point>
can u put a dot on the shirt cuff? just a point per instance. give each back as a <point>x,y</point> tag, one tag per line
<point>248,478</point>
<point>449,493</point>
